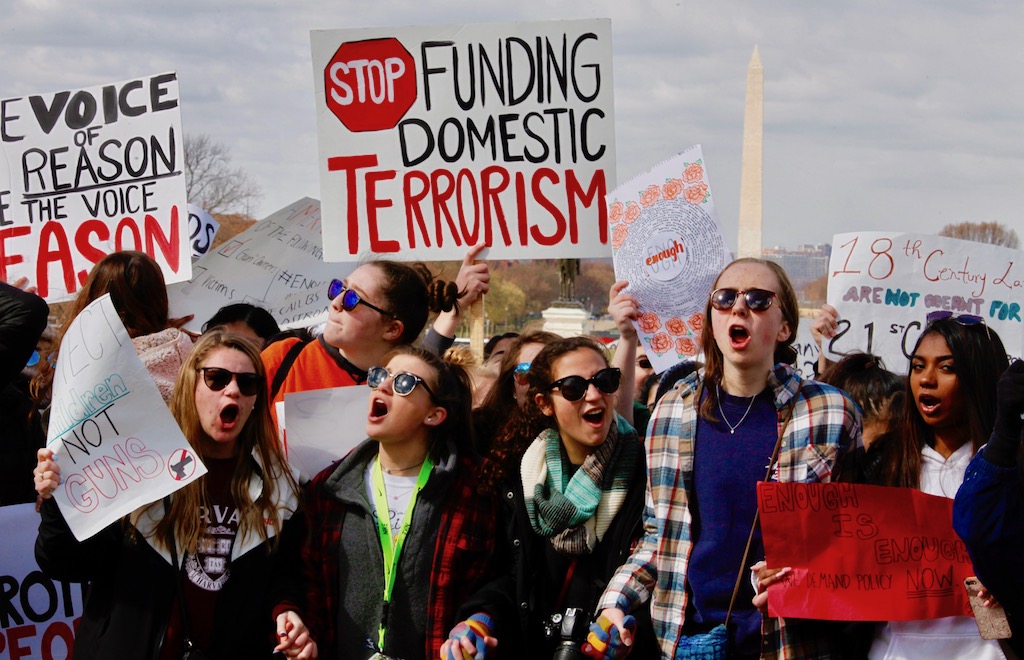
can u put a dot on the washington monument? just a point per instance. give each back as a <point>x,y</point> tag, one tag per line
<point>749,240</point>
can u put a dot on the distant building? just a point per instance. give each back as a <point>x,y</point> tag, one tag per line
<point>803,264</point>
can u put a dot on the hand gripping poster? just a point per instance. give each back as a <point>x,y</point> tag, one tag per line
<point>116,443</point>
<point>86,172</point>
<point>668,244</point>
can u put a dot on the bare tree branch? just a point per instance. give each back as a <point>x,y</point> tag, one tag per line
<point>210,180</point>
<point>983,232</point>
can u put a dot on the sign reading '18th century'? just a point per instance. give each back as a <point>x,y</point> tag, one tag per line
<point>436,138</point>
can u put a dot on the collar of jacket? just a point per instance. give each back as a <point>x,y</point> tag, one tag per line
<point>783,379</point>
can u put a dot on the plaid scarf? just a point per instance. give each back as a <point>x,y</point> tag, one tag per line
<point>575,513</point>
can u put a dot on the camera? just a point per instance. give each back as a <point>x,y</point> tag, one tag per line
<point>568,630</point>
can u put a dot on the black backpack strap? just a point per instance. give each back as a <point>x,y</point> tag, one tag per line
<point>286,365</point>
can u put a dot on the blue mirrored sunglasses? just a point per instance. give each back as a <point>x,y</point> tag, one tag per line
<point>349,298</point>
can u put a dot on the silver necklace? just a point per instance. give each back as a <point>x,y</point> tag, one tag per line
<point>732,429</point>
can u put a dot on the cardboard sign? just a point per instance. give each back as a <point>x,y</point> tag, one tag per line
<point>884,285</point>
<point>87,172</point>
<point>323,426</point>
<point>667,242</point>
<point>433,139</point>
<point>116,442</point>
<point>39,616</point>
<point>862,553</point>
<point>202,228</point>
<point>275,264</point>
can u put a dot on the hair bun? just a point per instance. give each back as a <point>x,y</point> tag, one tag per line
<point>442,296</point>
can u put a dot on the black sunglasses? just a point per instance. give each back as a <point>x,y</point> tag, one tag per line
<point>757,300</point>
<point>574,388</point>
<point>217,379</point>
<point>643,363</point>
<point>349,298</point>
<point>962,319</point>
<point>403,385</point>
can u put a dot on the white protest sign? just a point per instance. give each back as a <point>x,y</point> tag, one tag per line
<point>436,138</point>
<point>275,264</point>
<point>884,284</point>
<point>202,228</point>
<point>92,171</point>
<point>667,242</point>
<point>118,446</point>
<point>323,425</point>
<point>38,616</point>
<point>806,349</point>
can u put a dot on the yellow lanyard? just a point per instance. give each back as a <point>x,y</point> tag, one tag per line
<point>392,545</point>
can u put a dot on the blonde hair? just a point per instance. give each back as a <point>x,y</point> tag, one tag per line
<point>259,436</point>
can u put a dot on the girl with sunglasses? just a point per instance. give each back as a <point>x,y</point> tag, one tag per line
<point>950,411</point>
<point>231,532</point>
<point>569,476</point>
<point>399,537</point>
<point>380,305</point>
<point>709,442</point>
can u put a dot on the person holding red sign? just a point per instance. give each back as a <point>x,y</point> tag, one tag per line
<point>381,305</point>
<point>950,411</point>
<point>213,568</point>
<point>709,442</point>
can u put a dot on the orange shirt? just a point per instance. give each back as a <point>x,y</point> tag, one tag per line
<point>317,367</point>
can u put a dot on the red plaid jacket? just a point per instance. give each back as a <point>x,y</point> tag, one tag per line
<point>462,560</point>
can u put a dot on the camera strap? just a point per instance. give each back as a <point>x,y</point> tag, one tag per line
<point>560,603</point>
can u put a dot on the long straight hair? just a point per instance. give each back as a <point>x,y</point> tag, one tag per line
<point>714,361</point>
<point>258,436</point>
<point>979,358</point>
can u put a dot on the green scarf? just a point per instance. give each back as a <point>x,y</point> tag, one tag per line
<point>575,513</point>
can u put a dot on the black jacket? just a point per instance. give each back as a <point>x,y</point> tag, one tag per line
<point>22,320</point>
<point>131,589</point>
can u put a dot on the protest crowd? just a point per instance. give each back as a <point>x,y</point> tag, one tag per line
<point>240,483</point>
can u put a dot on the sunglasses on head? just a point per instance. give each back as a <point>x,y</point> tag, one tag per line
<point>403,384</point>
<point>217,379</point>
<point>521,373</point>
<point>962,319</point>
<point>349,298</point>
<point>574,388</point>
<point>757,300</point>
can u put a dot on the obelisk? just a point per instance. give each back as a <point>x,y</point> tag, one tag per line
<point>750,179</point>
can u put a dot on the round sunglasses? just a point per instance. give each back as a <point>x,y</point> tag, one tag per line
<point>349,298</point>
<point>757,300</point>
<point>574,388</point>
<point>217,379</point>
<point>403,384</point>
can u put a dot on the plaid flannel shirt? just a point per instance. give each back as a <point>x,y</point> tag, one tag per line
<point>824,423</point>
<point>463,558</point>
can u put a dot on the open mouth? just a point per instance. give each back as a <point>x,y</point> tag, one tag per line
<point>928,404</point>
<point>738,336</point>
<point>229,415</point>
<point>378,409</point>
<point>594,417</point>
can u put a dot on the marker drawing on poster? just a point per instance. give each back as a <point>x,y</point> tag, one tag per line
<point>884,284</point>
<point>117,444</point>
<point>86,172</point>
<point>668,244</point>
<point>433,139</point>
<point>313,437</point>
<point>39,615</point>
<point>275,264</point>
<point>862,553</point>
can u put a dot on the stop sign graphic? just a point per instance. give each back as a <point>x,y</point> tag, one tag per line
<point>370,84</point>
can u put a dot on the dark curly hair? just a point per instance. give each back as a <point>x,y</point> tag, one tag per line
<point>406,287</point>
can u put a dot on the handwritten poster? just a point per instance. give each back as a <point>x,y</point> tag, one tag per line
<point>436,138</point>
<point>313,437</point>
<point>39,615</point>
<point>87,172</point>
<point>862,553</point>
<point>117,444</point>
<point>806,349</point>
<point>884,285</point>
<point>667,242</point>
<point>275,264</point>
<point>202,229</point>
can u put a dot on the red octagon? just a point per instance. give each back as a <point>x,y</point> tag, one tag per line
<point>371,84</point>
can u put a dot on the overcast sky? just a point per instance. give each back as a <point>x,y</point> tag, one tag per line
<point>878,115</point>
